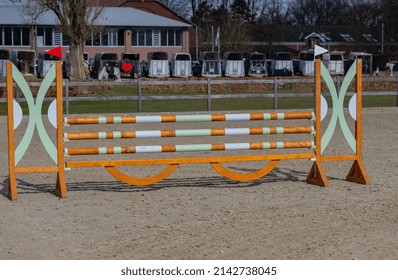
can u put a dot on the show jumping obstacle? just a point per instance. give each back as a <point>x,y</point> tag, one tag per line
<point>61,154</point>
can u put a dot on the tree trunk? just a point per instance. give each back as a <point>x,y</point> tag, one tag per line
<point>76,62</point>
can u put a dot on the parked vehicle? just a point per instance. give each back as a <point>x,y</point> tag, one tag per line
<point>233,64</point>
<point>334,62</point>
<point>282,64</point>
<point>130,65</point>
<point>102,60</point>
<point>306,63</point>
<point>66,65</point>
<point>4,58</point>
<point>256,64</point>
<point>24,60</point>
<point>181,65</point>
<point>156,65</point>
<point>211,64</point>
<point>367,67</point>
<point>44,63</point>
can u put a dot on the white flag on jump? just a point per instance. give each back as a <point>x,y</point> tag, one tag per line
<point>319,50</point>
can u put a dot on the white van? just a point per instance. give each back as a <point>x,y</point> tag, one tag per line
<point>181,65</point>
<point>233,64</point>
<point>334,62</point>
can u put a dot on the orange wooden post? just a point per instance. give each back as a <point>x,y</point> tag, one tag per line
<point>12,181</point>
<point>357,172</point>
<point>317,175</point>
<point>61,184</point>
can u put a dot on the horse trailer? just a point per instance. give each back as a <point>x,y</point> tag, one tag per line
<point>130,65</point>
<point>367,67</point>
<point>25,61</point>
<point>181,65</point>
<point>306,63</point>
<point>102,60</point>
<point>233,64</point>
<point>44,63</point>
<point>334,62</point>
<point>211,64</point>
<point>157,65</point>
<point>282,64</point>
<point>256,64</point>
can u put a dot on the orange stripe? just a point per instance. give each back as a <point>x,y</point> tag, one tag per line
<point>168,148</point>
<point>128,119</point>
<point>256,130</point>
<point>217,147</point>
<point>171,118</point>
<point>127,134</point>
<point>83,151</point>
<point>256,116</point>
<point>272,145</point>
<point>218,117</point>
<point>167,133</point>
<point>256,146</point>
<point>128,150</point>
<point>217,132</point>
<point>298,115</point>
<point>274,116</point>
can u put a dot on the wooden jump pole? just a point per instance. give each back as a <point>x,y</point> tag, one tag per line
<point>187,132</point>
<point>187,118</point>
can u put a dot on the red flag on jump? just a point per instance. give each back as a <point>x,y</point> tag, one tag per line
<point>57,52</point>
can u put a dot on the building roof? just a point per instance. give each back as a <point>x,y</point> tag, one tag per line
<point>111,16</point>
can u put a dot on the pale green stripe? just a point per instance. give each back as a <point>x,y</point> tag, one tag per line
<point>102,150</point>
<point>101,120</point>
<point>117,134</point>
<point>280,116</point>
<point>280,130</point>
<point>267,116</point>
<point>193,118</point>
<point>266,130</point>
<point>117,150</point>
<point>101,135</point>
<point>266,145</point>
<point>198,147</point>
<point>193,132</point>
<point>117,120</point>
<point>280,145</point>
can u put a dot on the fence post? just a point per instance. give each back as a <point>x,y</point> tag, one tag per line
<point>66,96</point>
<point>275,93</point>
<point>396,99</point>
<point>208,94</point>
<point>338,83</point>
<point>139,95</point>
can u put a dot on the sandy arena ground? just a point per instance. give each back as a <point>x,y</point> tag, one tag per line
<point>197,214</point>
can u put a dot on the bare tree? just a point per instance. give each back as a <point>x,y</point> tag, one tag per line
<point>276,12</point>
<point>178,6</point>
<point>363,12</point>
<point>315,12</point>
<point>235,36</point>
<point>77,21</point>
